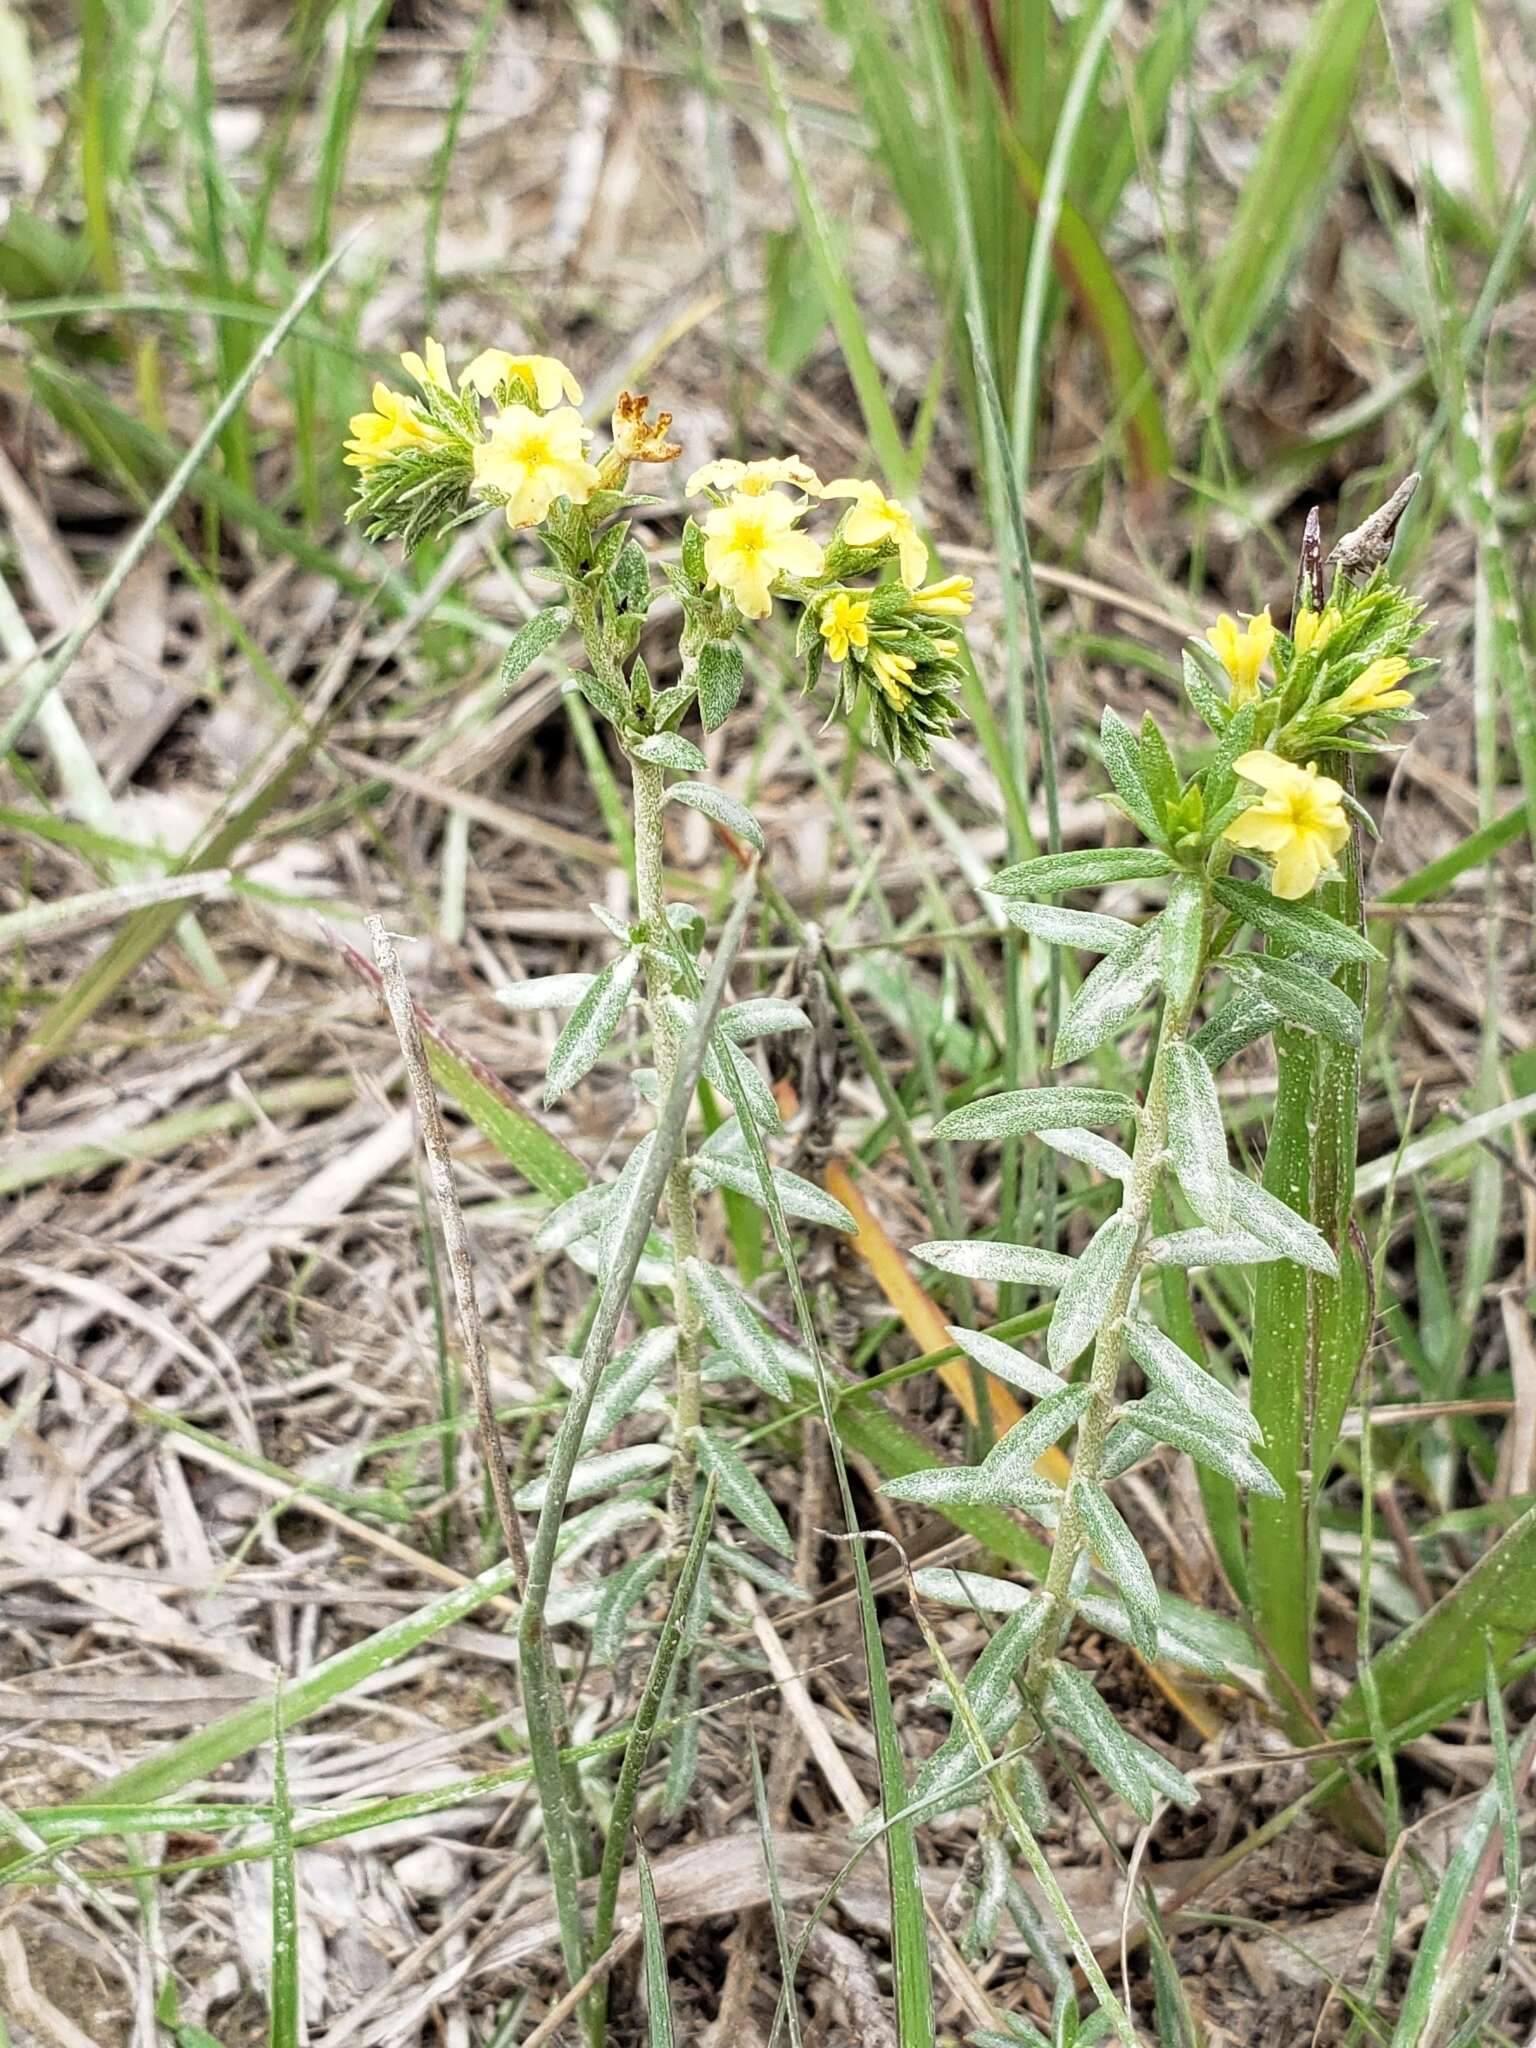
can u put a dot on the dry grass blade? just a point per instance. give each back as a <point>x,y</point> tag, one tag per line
<point>434,1140</point>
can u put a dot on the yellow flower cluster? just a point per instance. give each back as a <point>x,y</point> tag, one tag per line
<point>747,548</point>
<point>534,452</point>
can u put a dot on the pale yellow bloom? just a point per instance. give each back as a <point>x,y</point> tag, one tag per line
<point>844,624</point>
<point>891,672</point>
<point>534,459</point>
<point>950,599</point>
<point>1374,689</point>
<point>875,519</point>
<point>750,540</point>
<point>753,478</point>
<point>433,373</point>
<point>1243,651</point>
<point>1299,821</point>
<point>545,376</point>
<point>394,423</point>
<point>1315,629</point>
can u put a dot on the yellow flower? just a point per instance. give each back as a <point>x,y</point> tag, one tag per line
<point>545,376</point>
<point>533,460</point>
<point>1315,629</point>
<point>844,624</point>
<point>1243,652</point>
<point>753,478</point>
<point>1373,690</point>
<point>750,540</point>
<point>891,672</point>
<point>433,373</point>
<point>875,518</point>
<point>950,599</point>
<point>1299,821</point>
<point>393,424</point>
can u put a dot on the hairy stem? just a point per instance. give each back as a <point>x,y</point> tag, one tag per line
<point>1149,1164</point>
<point>650,797</point>
<point>543,1697</point>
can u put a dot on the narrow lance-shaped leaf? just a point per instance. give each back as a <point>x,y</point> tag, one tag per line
<point>1021,1265</point>
<point>1210,1248</point>
<point>1013,1459</point>
<point>1121,1556</point>
<point>1171,1369</point>
<point>1301,925</point>
<point>1075,1706</point>
<point>546,992</point>
<point>723,809</point>
<point>718,676</point>
<point>1197,1139</point>
<point>1306,999</point>
<point>743,1493</point>
<point>1122,757</point>
<point>1025,1110</point>
<point>533,638</point>
<point>590,1026</point>
<point>601,1474</point>
<point>1183,942</point>
<point>1089,1289</point>
<point>1110,998</point>
<point>1006,1363</point>
<point>735,1327</point>
<point>1060,927</point>
<point>799,1197</point>
<point>670,750</point>
<point>1206,1442</point>
<point>1052,873</point>
<point>1089,1149</point>
<point>971,1486</point>
<point>1260,1214</point>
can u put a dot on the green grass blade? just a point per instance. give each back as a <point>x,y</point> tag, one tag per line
<point>58,664</point>
<point>284,1998</point>
<point>1439,1659</point>
<point>1280,196</point>
<point>909,1924</point>
<point>658,1999</point>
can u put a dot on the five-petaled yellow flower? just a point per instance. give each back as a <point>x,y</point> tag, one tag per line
<point>545,376</point>
<point>1315,629</point>
<point>750,540</point>
<point>394,423</point>
<point>1243,651</point>
<point>1374,689</point>
<point>534,459</point>
<point>1299,821</point>
<point>753,478</point>
<point>875,519</point>
<point>844,624</point>
<point>949,599</point>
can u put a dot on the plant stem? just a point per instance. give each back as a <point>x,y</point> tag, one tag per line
<point>543,1696</point>
<point>1149,1163</point>
<point>650,799</point>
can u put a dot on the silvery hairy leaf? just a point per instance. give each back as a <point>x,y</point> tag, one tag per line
<point>1005,1363</point>
<point>1021,1264</point>
<point>625,1383</point>
<point>972,1486</point>
<point>580,1216</point>
<point>1050,874</point>
<point>972,1589</point>
<point>797,1197</point>
<point>1258,1213</point>
<point>1012,1459</point>
<point>1185,1383</point>
<point>1210,1248</point>
<point>760,1016</point>
<point>743,1494</point>
<point>670,750</point>
<point>1025,1110</point>
<point>546,992</point>
<point>1089,1149</point>
<point>1120,1554</point>
<point>734,1325</point>
<point>723,809</point>
<point>622,1202</point>
<point>1206,1442</point>
<point>1240,1024</point>
<point>1304,998</point>
<point>1073,1706</point>
<point>621,1594</point>
<point>590,1026</point>
<point>1197,1138</point>
<point>601,1474</point>
<point>1110,998</point>
<point>951,1774</point>
<point>1088,1292</point>
<point>1301,925</point>
<point>1087,929</point>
